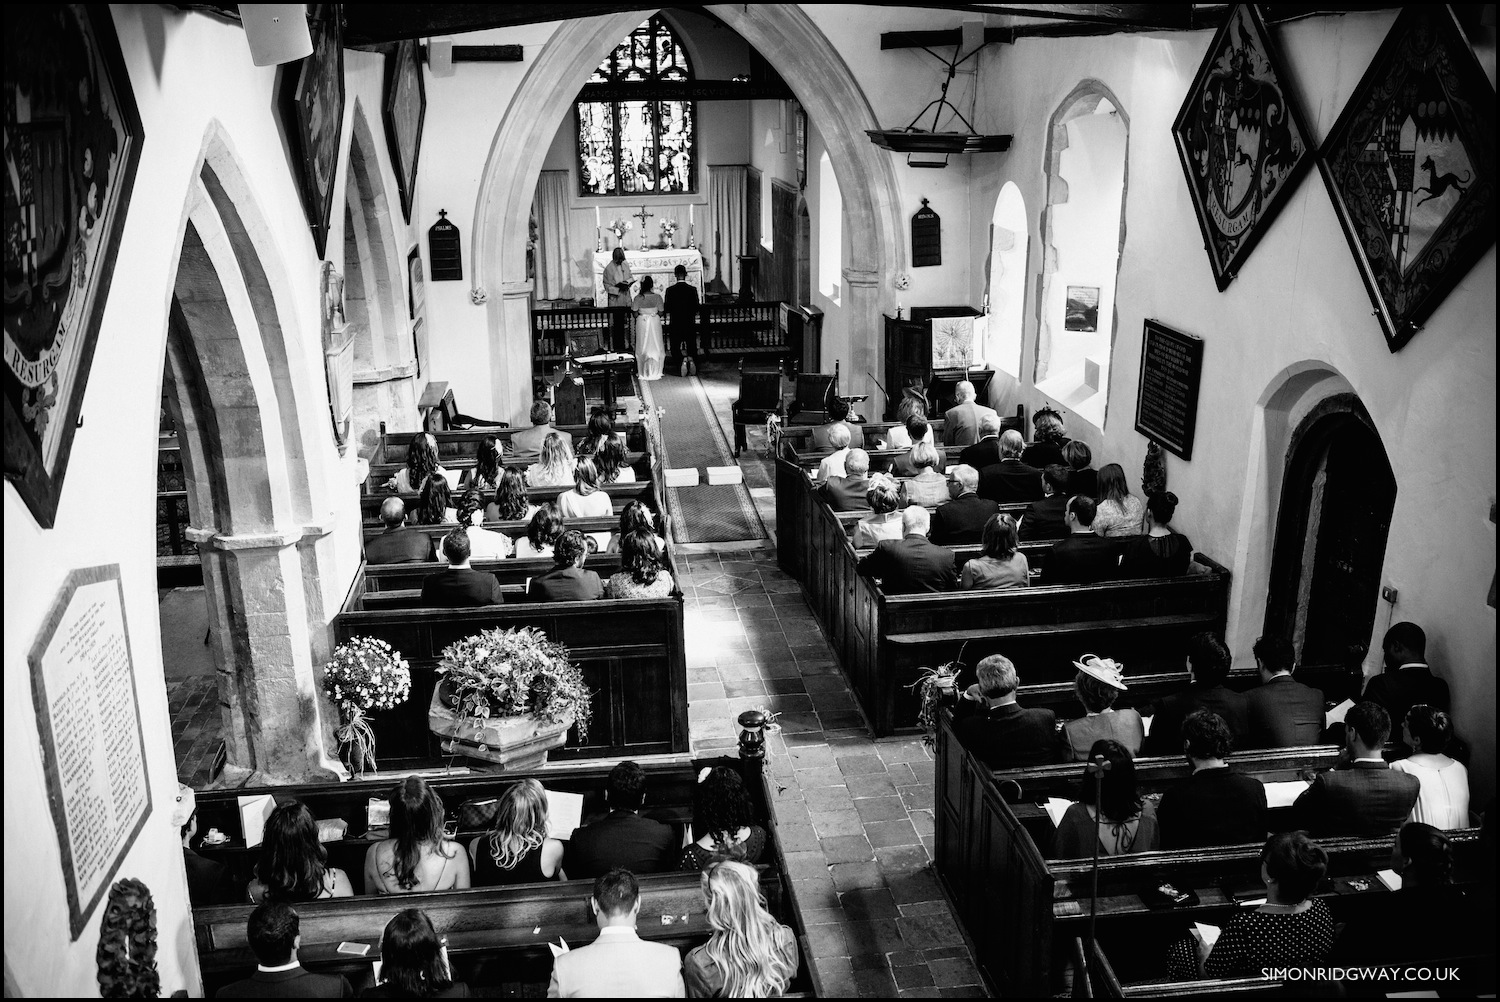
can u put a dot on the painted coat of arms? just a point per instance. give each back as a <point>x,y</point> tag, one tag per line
<point>1242,142</point>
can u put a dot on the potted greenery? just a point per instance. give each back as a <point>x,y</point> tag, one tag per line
<point>365,675</point>
<point>507,697</point>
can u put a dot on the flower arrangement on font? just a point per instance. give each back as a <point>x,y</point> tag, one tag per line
<point>513,673</point>
<point>365,675</point>
<point>902,281</point>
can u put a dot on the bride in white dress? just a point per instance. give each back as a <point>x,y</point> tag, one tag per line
<point>650,346</point>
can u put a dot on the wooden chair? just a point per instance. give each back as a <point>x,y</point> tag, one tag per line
<point>810,402</point>
<point>760,397</point>
<point>1017,423</point>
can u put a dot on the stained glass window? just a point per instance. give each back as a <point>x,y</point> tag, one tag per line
<point>628,146</point>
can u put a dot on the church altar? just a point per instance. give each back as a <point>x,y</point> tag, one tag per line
<point>659,264</point>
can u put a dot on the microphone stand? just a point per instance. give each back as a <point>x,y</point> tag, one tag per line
<point>1097,767</point>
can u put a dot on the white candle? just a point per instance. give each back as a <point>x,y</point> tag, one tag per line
<point>690,214</point>
<point>597,224</point>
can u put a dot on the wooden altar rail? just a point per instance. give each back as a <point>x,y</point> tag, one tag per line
<point>1019,911</point>
<point>883,641</point>
<point>496,936</point>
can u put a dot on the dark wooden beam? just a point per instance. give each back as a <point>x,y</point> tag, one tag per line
<point>488,54</point>
<point>921,39</point>
<point>696,90</point>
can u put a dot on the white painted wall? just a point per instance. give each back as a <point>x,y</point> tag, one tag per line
<point>1298,303</point>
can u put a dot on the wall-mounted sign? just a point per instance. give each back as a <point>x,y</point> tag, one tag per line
<point>926,238</point>
<point>83,691</point>
<point>444,250</point>
<point>1166,410</point>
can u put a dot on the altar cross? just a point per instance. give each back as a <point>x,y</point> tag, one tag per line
<point>643,215</point>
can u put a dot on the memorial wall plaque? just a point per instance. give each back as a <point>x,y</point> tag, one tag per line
<point>93,753</point>
<point>1166,410</point>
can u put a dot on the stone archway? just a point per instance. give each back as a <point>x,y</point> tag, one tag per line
<point>823,84</point>
<point>233,392</point>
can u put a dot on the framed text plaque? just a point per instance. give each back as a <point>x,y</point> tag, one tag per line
<point>1166,410</point>
<point>93,753</point>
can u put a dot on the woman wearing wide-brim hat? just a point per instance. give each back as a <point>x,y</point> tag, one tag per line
<point>1098,684</point>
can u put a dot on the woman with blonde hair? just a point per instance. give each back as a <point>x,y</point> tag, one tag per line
<point>517,850</point>
<point>750,954</point>
<point>555,468</point>
<point>929,486</point>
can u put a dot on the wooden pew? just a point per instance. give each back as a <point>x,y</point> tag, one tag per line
<point>884,640</point>
<point>1019,910</point>
<point>381,473</point>
<point>515,529</point>
<point>496,936</point>
<point>800,435</point>
<point>465,443</point>
<point>620,495</point>
<point>631,652</point>
<point>1102,982</point>
<point>392,579</point>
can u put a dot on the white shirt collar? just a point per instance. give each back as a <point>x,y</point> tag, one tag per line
<point>1413,664</point>
<point>1371,758</point>
<point>262,968</point>
<point>619,930</point>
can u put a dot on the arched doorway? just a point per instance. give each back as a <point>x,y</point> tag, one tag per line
<point>1337,497</point>
<point>823,85</point>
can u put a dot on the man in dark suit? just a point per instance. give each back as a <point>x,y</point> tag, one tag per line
<point>1082,558</point>
<point>1213,806</point>
<point>1367,798</point>
<point>528,444</point>
<point>1208,666</point>
<point>460,586</point>
<point>567,581</point>
<point>962,519</point>
<point>681,301</point>
<point>986,451</point>
<point>399,543</point>
<point>1047,518</point>
<point>912,563</point>
<point>989,722</point>
<point>274,933</point>
<point>847,493</point>
<point>1407,680</point>
<point>1281,712</point>
<point>209,882</point>
<point>1010,480</point>
<point>623,838</point>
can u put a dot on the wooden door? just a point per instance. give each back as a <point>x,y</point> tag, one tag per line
<point>779,280</point>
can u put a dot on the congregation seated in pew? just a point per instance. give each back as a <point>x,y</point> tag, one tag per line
<point>585,500</point>
<point>1098,684</point>
<point>1010,481</point>
<point>832,465</point>
<point>1047,518</point>
<point>556,465</point>
<point>567,581</point>
<point>899,436</point>
<point>928,485</point>
<point>619,964</point>
<point>435,507</point>
<point>1281,712</point>
<point>723,821</point>
<point>484,544</point>
<point>991,724</point>
<point>961,421</point>
<point>541,534</point>
<point>986,451</point>
<point>209,882</point>
<point>642,574</point>
<point>634,517</point>
<point>911,564</point>
<point>884,521</point>
<point>418,856</point>
<point>511,502</point>
<point>1161,551</point>
<point>517,850</point>
<point>1368,797</point>
<point>601,429</point>
<point>413,963</point>
<point>1048,439</point>
<point>611,460</point>
<point>622,838</point>
<point>838,417</point>
<point>273,932</point>
<point>421,463</point>
<point>1291,929</point>
<point>1083,557</point>
<point>488,466</point>
<point>1443,799</point>
<point>459,585</point>
<point>528,444</point>
<point>916,432</point>
<point>1000,564</point>
<point>1082,477</point>
<point>1208,664</point>
<point>749,954</point>
<point>1124,821</point>
<point>398,543</point>
<point>1407,679</point>
<point>963,519</point>
<point>293,864</point>
<point>847,492</point>
<point>1215,805</point>
<point>1117,512</point>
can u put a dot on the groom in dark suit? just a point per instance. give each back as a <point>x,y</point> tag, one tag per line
<point>1367,798</point>
<point>682,321</point>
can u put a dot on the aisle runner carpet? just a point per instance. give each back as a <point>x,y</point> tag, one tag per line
<point>691,437</point>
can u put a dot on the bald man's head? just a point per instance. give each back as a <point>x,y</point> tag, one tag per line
<point>857,463</point>
<point>964,392</point>
<point>393,512</point>
<point>989,424</point>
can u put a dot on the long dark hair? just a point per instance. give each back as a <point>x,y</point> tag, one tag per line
<point>436,499</point>
<point>640,554</point>
<point>636,516</point>
<point>601,429</point>
<point>511,497</point>
<point>546,525</point>
<point>1428,854</point>
<point>416,822</point>
<point>411,956</point>
<point>487,469</point>
<point>610,459</point>
<point>1112,483</point>
<point>1118,800</point>
<point>421,458</point>
<point>293,863</point>
<point>721,805</point>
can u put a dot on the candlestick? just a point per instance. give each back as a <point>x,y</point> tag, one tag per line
<point>690,215</point>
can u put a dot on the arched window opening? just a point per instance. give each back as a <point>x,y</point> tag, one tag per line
<point>1083,233</point>
<point>1006,296</point>
<point>830,231</point>
<point>630,139</point>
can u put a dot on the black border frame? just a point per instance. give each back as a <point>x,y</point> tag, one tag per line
<point>406,58</point>
<point>1194,347</point>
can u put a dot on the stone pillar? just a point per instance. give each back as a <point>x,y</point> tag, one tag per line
<point>510,352</point>
<point>865,329</point>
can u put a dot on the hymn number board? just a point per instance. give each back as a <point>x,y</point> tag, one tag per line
<point>445,250</point>
<point>1166,410</point>
<point>926,238</point>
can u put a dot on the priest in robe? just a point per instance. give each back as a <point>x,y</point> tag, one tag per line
<point>618,279</point>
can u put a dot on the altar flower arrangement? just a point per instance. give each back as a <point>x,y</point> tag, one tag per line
<point>619,227</point>
<point>508,695</point>
<point>668,231</point>
<point>365,675</point>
